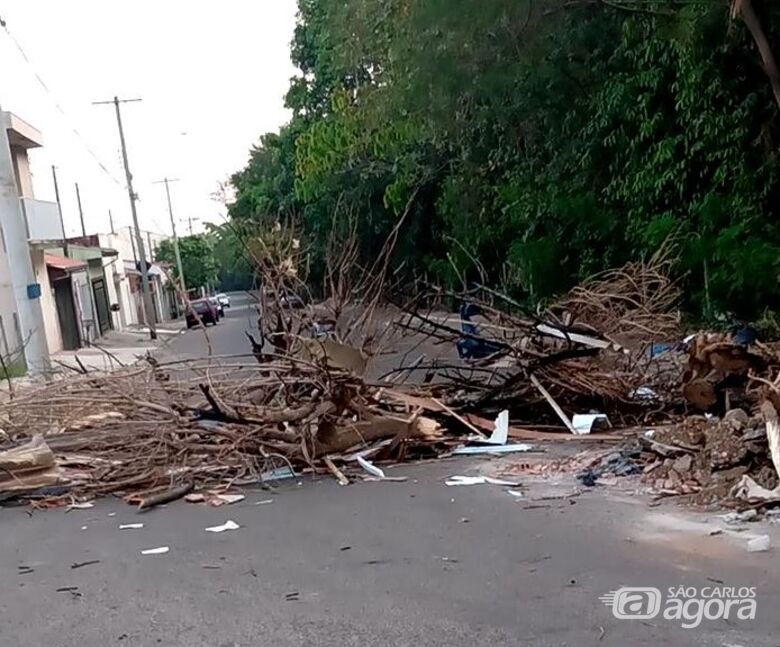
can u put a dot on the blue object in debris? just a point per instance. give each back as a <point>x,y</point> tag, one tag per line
<point>657,349</point>
<point>470,347</point>
<point>744,335</point>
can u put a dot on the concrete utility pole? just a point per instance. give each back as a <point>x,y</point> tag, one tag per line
<point>59,210</point>
<point>191,219</point>
<point>81,212</point>
<point>166,181</point>
<point>111,221</point>
<point>148,307</point>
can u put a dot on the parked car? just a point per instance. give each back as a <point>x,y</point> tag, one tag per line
<point>217,306</point>
<point>204,309</point>
<point>292,301</point>
<point>224,299</point>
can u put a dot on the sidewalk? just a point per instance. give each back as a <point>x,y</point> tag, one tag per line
<point>118,348</point>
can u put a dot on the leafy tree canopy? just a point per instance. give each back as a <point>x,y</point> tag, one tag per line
<point>547,139</point>
<point>197,258</point>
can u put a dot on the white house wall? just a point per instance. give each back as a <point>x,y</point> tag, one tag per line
<point>51,321</point>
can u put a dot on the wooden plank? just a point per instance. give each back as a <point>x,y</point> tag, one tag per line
<point>564,418</point>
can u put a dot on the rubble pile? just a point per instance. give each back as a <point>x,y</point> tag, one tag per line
<point>589,351</point>
<point>705,457</point>
<point>155,432</point>
<point>713,460</point>
<point>608,355</point>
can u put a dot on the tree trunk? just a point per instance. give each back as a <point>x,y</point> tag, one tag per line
<point>745,9</point>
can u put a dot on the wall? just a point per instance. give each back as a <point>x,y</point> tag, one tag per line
<point>21,165</point>
<point>19,264</point>
<point>118,281</point>
<point>51,321</point>
<point>7,301</point>
<point>123,241</point>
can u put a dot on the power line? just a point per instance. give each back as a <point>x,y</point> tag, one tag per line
<point>57,105</point>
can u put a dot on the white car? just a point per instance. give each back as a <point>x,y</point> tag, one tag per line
<point>224,299</point>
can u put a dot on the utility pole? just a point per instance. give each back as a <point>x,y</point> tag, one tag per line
<point>81,212</point>
<point>179,267</point>
<point>148,307</point>
<point>59,210</point>
<point>190,218</point>
<point>111,221</point>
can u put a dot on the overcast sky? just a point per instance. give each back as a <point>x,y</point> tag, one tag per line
<point>212,75</point>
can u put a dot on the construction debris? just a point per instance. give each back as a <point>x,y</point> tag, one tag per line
<point>303,401</point>
<point>759,544</point>
<point>478,480</point>
<point>228,525</point>
<point>587,352</point>
<point>29,466</point>
<point>214,426</point>
<point>713,460</point>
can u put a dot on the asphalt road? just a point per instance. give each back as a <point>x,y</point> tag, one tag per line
<point>413,563</point>
<point>226,338</point>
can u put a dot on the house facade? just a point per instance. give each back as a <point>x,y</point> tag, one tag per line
<point>125,278</point>
<point>27,227</point>
<point>56,293</point>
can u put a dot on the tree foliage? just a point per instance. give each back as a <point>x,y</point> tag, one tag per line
<point>548,140</point>
<point>234,267</point>
<point>197,259</point>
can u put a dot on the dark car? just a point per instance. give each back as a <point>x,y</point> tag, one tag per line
<point>215,303</point>
<point>205,310</point>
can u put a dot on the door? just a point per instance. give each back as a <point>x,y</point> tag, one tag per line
<point>101,304</point>
<point>66,313</point>
<point>120,302</point>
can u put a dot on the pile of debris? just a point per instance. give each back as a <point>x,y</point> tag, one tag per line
<point>591,351</point>
<point>155,432</point>
<point>607,354</point>
<point>734,459</point>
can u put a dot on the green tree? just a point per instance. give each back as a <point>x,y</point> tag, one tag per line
<point>548,140</point>
<point>197,258</point>
<point>234,267</point>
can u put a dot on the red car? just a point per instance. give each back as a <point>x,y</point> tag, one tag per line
<point>204,309</point>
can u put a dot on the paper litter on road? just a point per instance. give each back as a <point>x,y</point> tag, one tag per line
<point>759,544</point>
<point>228,525</point>
<point>370,468</point>
<point>515,493</point>
<point>264,502</point>
<point>155,551</point>
<point>584,423</point>
<point>494,449</point>
<point>478,480</point>
<point>130,526</point>
<point>86,505</point>
<point>227,498</point>
<point>214,499</point>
